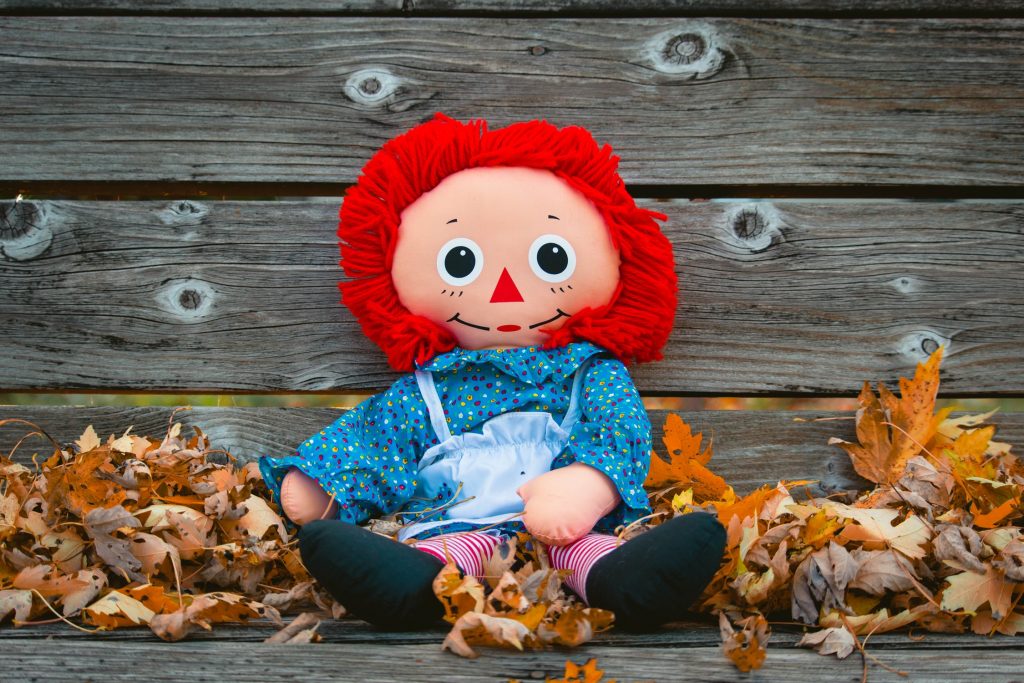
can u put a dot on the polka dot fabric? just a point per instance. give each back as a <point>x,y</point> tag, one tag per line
<point>368,457</point>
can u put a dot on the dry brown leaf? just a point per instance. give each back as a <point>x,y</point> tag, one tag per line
<point>745,647</point>
<point>207,609</point>
<point>18,602</point>
<point>958,547</point>
<point>459,594</point>
<point>875,529</point>
<point>969,590</point>
<point>880,572</point>
<point>117,609</point>
<point>686,465</point>
<point>836,641</point>
<point>482,629</point>
<point>588,673</point>
<point>302,629</point>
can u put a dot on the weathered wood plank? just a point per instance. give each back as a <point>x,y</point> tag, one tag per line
<point>793,102</point>
<point>188,661</point>
<point>750,447</point>
<point>776,297</point>
<point>688,634</point>
<point>416,7</point>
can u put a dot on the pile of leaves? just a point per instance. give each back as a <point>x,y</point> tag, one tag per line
<point>166,534</point>
<point>932,545</point>
<point>522,604</point>
<point>140,532</point>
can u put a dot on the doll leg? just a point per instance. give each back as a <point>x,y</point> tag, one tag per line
<point>652,579</point>
<point>467,550</point>
<point>387,583</point>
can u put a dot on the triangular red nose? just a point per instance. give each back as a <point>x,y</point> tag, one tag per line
<point>506,290</point>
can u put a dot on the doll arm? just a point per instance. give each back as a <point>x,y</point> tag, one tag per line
<point>608,453</point>
<point>563,505</point>
<point>303,499</point>
<point>365,459</point>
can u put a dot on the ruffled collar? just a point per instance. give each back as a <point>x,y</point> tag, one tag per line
<point>531,364</point>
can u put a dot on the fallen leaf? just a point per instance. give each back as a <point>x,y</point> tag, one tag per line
<point>836,641</point>
<point>968,591</point>
<point>745,647</point>
<point>483,629</point>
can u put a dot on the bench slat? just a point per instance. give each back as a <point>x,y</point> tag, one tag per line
<point>81,659</point>
<point>793,102</point>
<point>777,297</point>
<point>656,7</point>
<point>351,631</point>
<point>751,447</point>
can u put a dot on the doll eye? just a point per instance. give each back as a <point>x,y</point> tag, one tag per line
<point>460,261</point>
<point>552,258</point>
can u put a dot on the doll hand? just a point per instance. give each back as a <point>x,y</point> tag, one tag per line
<point>563,505</point>
<point>303,500</point>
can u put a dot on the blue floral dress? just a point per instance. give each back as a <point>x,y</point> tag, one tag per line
<point>368,458</point>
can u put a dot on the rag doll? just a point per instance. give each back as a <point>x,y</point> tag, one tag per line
<point>511,276</point>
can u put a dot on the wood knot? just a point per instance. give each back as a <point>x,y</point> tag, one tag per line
<point>919,345</point>
<point>184,212</point>
<point>685,48</point>
<point>371,87</point>
<point>755,226</point>
<point>186,299</point>
<point>905,284</point>
<point>538,50</point>
<point>24,230</point>
<point>693,50</point>
<point>190,299</point>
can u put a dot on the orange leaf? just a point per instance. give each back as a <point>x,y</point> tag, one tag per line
<point>685,468</point>
<point>991,519</point>
<point>882,452</point>
<point>588,673</point>
<point>745,648</point>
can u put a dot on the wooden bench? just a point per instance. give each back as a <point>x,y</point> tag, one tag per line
<point>864,162</point>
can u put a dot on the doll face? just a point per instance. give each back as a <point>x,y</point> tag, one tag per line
<point>495,254</point>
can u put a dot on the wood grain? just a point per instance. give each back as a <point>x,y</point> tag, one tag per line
<point>701,632</point>
<point>797,298</point>
<point>593,7</point>
<point>706,101</point>
<point>81,659</point>
<point>751,447</point>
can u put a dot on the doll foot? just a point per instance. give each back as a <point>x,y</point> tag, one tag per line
<point>387,583</point>
<point>652,579</point>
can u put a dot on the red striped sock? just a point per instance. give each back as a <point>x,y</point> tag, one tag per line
<point>467,550</point>
<point>580,556</point>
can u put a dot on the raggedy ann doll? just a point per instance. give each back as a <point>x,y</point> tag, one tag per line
<point>511,275</point>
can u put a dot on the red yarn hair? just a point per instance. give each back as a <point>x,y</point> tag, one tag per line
<point>634,325</point>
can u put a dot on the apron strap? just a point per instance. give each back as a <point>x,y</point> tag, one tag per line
<point>572,415</point>
<point>425,381</point>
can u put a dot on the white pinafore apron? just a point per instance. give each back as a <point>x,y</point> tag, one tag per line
<point>512,449</point>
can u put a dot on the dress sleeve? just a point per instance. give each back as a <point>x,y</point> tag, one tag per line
<point>614,436</point>
<point>367,458</point>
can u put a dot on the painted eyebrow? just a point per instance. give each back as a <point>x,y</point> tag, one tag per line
<point>555,217</point>
<point>454,220</point>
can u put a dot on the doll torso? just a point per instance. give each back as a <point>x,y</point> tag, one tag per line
<point>369,457</point>
<point>473,477</point>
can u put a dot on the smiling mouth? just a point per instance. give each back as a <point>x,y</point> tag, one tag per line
<point>508,328</point>
<point>561,314</point>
